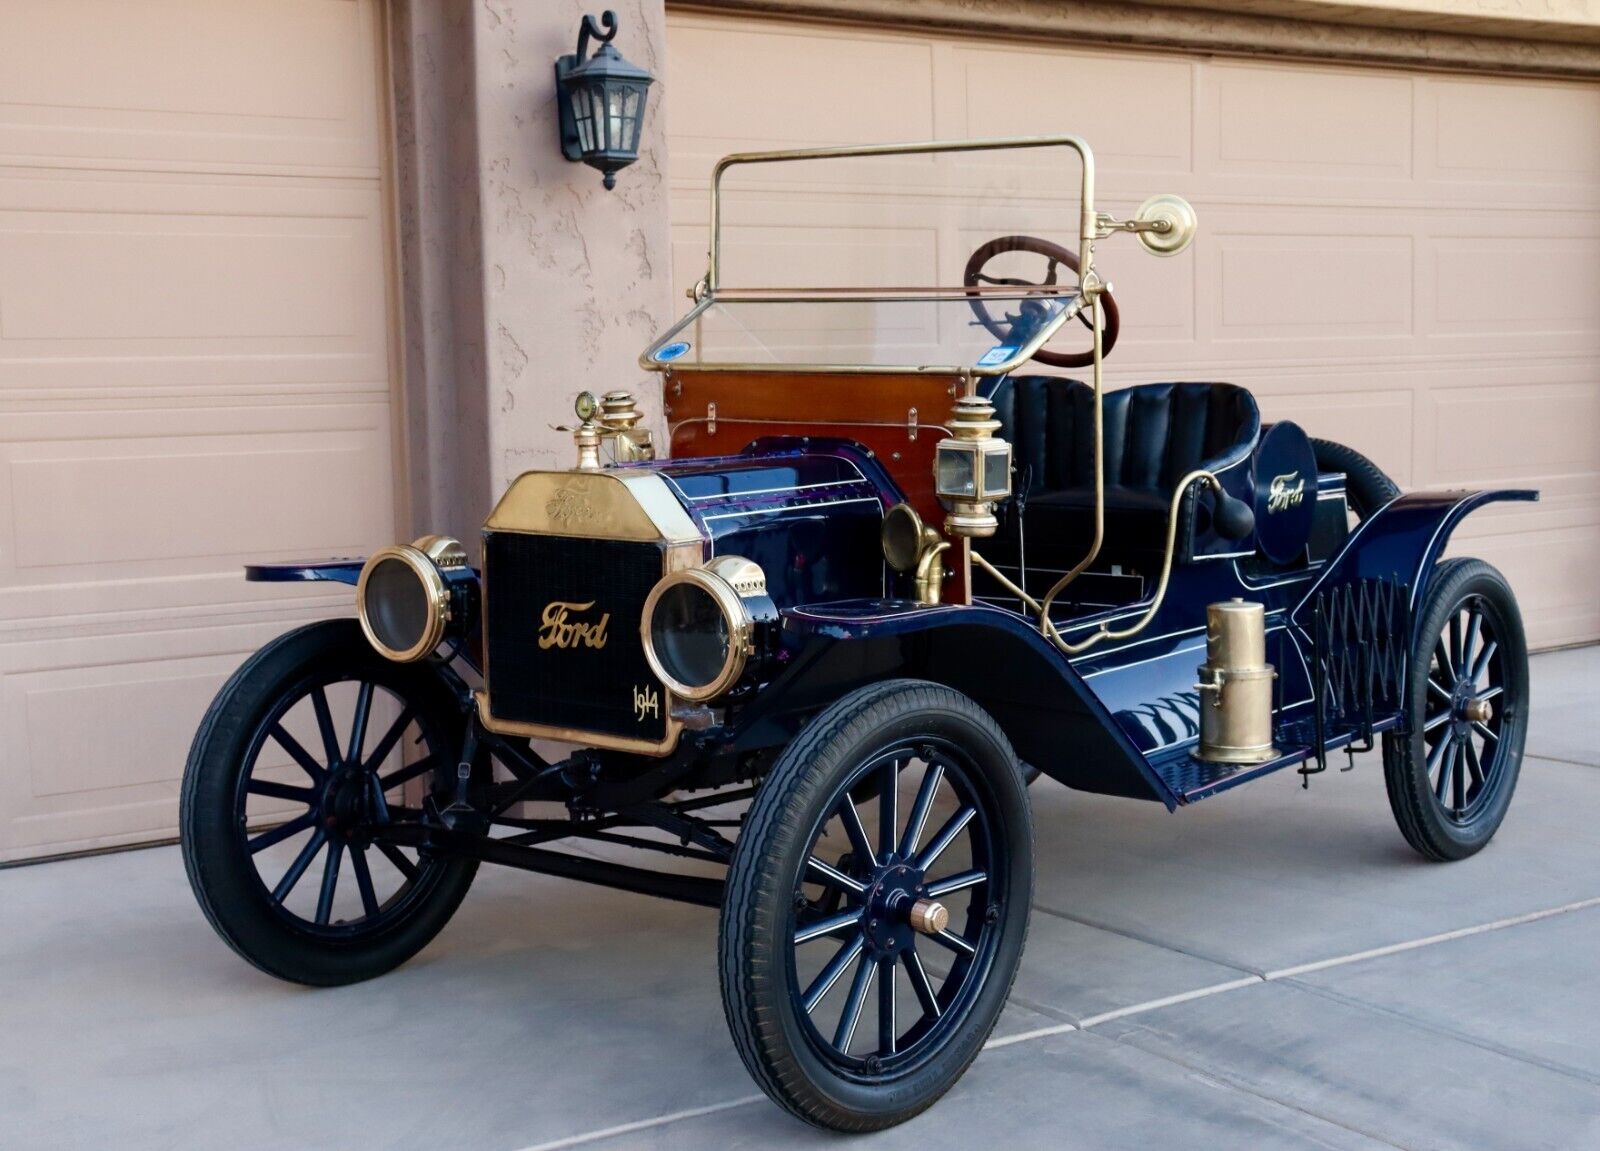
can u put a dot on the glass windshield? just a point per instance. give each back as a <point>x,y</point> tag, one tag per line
<point>988,335</point>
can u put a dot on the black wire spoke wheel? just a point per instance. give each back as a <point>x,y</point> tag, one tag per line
<point>877,905</point>
<point>1462,730</point>
<point>1450,780</point>
<point>313,748</point>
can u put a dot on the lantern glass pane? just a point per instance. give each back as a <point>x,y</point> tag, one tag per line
<point>602,138</point>
<point>997,472</point>
<point>615,136</point>
<point>956,471</point>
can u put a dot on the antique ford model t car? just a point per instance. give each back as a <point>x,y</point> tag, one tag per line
<point>819,652</point>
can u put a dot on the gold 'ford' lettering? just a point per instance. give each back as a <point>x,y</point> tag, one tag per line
<point>1285,491</point>
<point>557,628</point>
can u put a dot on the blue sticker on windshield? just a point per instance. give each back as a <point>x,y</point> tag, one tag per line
<point>998,354</point>
<point>671,352</point>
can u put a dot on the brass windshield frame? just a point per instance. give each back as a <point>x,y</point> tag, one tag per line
<point>709,289</point>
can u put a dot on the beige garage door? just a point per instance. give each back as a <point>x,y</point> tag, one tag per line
<point>1407,263</point>
<point>193,373</point>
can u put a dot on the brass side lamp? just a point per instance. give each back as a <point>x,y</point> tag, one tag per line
<point>972,469</point>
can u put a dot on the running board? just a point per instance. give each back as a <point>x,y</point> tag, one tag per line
<point>1192,780</point>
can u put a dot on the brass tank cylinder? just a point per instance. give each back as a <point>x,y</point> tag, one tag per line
<point>1236,686</point>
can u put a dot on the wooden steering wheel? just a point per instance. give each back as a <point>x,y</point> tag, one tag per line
<point>1056,256</point>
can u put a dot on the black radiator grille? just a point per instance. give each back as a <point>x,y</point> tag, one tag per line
<point>571,683</point>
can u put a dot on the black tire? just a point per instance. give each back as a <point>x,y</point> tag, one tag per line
<point>1366,487</point>
<point>220,850</point>
<point>826,1082</point>
<point>1470,647</point>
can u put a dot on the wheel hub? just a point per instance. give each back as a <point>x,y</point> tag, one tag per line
<point>1466,708</point>
<point>896,888</point>
<point>345,800</point>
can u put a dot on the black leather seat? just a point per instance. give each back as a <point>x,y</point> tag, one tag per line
<point>1154,435</point>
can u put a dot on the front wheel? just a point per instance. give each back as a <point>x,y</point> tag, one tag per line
<point>1451,777</point>
<point>312,746</point>
<point>876,906</point>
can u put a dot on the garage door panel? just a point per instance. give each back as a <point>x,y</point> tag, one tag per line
<point>1482,436</point>
<point>98,728</point>
<point>1283,286</point>
<point>125,496</point>
<point>1511,134</point>
<point>285,84</point>
<point>1325,125</point>
<point>132,292</point>
<point>764,90</point>
<point>193,375</point>
<point>1542,285</point>
<point>1017,92</point>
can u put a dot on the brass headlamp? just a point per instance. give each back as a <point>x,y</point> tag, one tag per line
<point>403,598</point>
<point>972,469</point>
<point>699,626</point>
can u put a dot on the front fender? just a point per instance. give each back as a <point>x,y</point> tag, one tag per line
<point>995,657</point>
<point>346,571</point>
<point>1401,543</point>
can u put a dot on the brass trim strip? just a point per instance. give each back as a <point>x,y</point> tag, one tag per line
<point>574,735</point>
<point>720,419</point>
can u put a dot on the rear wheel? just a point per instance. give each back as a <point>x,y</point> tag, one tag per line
<point>877,905</point>
<point>1451,779</point>
<point>309,747</point>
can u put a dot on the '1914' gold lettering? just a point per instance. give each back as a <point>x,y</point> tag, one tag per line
<point>557,629</point>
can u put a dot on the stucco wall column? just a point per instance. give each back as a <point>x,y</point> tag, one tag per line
<point>575,279</point>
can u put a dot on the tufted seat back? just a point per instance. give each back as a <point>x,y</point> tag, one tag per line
<point>1154,435</point>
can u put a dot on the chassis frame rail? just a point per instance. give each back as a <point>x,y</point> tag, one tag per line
<point>700,890</point>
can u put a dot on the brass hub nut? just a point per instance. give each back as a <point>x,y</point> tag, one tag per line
<point>1478,711</point>
<point>929,916</point>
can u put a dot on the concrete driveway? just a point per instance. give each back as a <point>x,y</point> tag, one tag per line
<point>1273,968</point>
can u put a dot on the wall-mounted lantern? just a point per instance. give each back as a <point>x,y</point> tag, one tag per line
<point>601,100</point>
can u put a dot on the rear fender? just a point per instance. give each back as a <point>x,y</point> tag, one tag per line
<point>995,657</point>
<point>1401,543</point>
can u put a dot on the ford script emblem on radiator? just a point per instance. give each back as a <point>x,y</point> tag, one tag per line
<point>1286,491</point>
<point>568,506</point>
<point>558,628</point>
